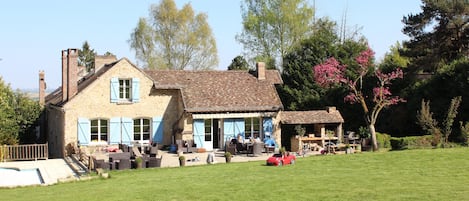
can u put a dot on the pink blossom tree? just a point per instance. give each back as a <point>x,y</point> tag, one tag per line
<point>331,72</point>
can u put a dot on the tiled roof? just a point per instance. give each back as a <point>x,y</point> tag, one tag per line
<point>221,91</point>
<point>55,98</point>
<point>205,91</point>
<point>311,117</point>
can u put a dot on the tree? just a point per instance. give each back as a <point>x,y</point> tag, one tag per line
<point>27,112</point>
<point>299,91</point>
<point>464,132</point>
<point>174,39</point>
<point>331,73</point>
<point>448,82</point>
<point>431,126</point>
<point>18,116</point>
<point>446,41</point>
<point>394,58</point>
<point>8,126</point>
<point>86,56</point>
<point>272,27</point>
<point>239,63</point>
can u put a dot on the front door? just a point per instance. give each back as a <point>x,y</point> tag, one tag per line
<point>216,134</point>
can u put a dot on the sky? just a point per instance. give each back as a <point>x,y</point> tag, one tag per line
<point>33,33</point>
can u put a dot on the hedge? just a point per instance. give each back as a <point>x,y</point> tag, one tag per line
<point>411,142</point>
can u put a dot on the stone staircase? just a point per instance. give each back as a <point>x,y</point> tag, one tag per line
<point>79,167</point>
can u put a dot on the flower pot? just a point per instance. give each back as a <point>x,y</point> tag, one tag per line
<point>182,163</point>
<point>349,150</point>
<point>138,163</point>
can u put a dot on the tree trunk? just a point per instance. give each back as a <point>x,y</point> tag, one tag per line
<point>373,137</point>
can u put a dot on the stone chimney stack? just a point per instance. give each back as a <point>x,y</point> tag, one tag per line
<point>42,89</point>
<point>69,73</point>
<point>260,70</point>
<point>331,109</point>
<point>101,60</point>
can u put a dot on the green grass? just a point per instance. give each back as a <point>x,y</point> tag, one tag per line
<point>432,174</point>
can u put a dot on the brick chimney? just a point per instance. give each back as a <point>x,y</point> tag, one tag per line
<point>42,89</point>
<point>69,73</point>
<point>260,70</point>
<point>64,75</point>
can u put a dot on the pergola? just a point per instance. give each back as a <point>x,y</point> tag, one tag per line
<point>327,124</point>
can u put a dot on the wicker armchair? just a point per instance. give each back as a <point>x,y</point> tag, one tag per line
<point>187,146</point>
<point>123,164</point>
<point>154,162</point>
<point>256,149</point>
<point>230,147</point>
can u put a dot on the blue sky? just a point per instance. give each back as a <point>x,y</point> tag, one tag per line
<point>33,33</point>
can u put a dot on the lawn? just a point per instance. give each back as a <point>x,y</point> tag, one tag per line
<point>432,174</point>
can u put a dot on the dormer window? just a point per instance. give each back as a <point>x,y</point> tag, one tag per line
<point>125,90</point>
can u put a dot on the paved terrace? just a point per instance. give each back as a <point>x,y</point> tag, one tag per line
<point>57,170</point>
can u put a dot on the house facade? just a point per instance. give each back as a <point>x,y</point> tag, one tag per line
<point>119,103</point>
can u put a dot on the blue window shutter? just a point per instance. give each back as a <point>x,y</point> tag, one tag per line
<point>228,129</point>
<point>114,90</point>
<point>84,131</point>
<point>127,130</point>
<point>267,125</point>
<point>135,90</point>
<point>199,132</point>
<point>157,126</point>
<point>115,130</point>
<point>239,127</point>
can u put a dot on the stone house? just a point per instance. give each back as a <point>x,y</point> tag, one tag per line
<point>119,103</point>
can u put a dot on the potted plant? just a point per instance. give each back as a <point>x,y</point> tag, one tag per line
<point>228,157</point>
<point>182,160</point>
<point>138,162</point>
<point>348,149</point>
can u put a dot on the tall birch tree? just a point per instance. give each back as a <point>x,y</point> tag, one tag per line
<point>272,27</point>
<point>174,39</point>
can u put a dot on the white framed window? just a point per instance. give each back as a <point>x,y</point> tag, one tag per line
<point>142,130</point>
<point>125,89</point>
<point>208,130</point>
<point>99,130</point>
<point>252,128</point>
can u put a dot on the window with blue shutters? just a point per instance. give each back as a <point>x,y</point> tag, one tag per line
<point>119,130</point>
<point>99,130</point>
<point>125,90</point>
<point>92,131</point>
<point>142,130</point>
